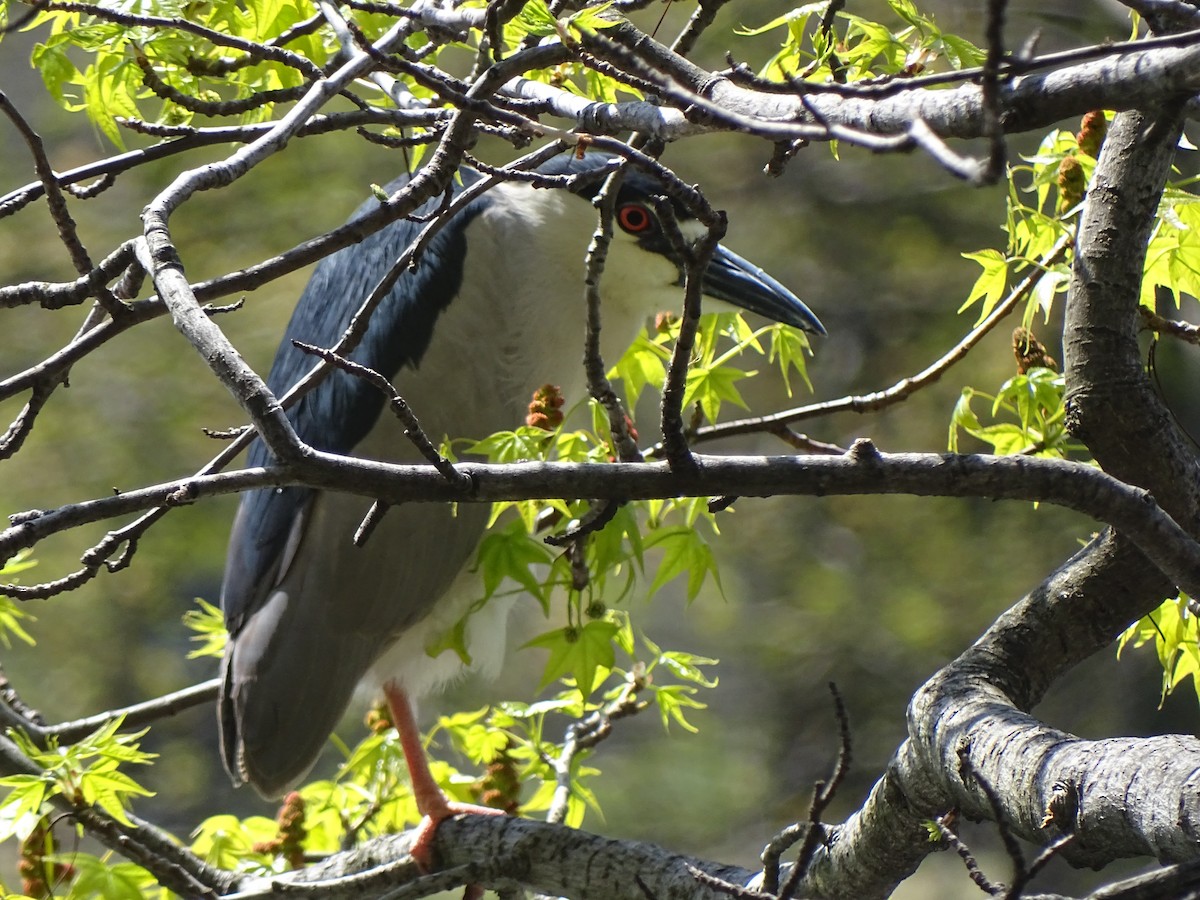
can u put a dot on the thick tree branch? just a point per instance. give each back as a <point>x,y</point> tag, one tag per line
<point>556,861</point>
<point>863,470</point>
<point>976,708</point>
<point>1111,405</point>
<point>978,705</point>
<point>503,852</point>
<point>1129,79</point>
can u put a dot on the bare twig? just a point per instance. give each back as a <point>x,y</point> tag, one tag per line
<point>993,110</point>
<point>803,442</point>
<point>728,888</point>
<point>187,137</point>
<point>968,773</point>
<point>67,231</point>
<point>136,715</point>
<point>402,411</point>
<point>256,100</point>
<point>22,19</point>
<point>964,167</point>
<point>696,259</point>
<point>823,794</point>
<point>1184,331</point>
<point>974,872</point>
<point>16,433</point>
<point>862,470</point>
<point>584,735</point>
<point>1049,852</point>
<point>702,16</point>
<point>597,516</point>
<point>593,362</point>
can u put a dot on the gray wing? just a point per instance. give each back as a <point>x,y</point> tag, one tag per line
<point>293,659</point>
<point>341,411</point>
<point>291,670</point>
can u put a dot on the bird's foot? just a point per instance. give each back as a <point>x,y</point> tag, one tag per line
<point>422,847</point>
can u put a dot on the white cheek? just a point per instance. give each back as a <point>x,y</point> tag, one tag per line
<point>639,282</point>
<point>551,231</point>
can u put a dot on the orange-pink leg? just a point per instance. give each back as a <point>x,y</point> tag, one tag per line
<point>431,802</point>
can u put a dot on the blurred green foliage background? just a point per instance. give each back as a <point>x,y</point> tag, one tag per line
<point>871,593</point>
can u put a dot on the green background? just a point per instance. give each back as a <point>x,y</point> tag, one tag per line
<point>871,593</point>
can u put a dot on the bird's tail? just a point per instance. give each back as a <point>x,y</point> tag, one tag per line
<point>283,692</point>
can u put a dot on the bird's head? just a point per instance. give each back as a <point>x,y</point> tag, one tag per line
<point>643,254</point>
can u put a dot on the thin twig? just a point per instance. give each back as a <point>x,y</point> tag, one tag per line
<point>1053,849</point>
<point>258,99</point>
<point>773,853</point>
<point>138,714</point>
<point>399,407</point>
<point>702,17</point>
<point>221,39</point>
<point>593,362</point>
<point>823,794</point>
<point>696,260</point>
<point>585,734</point>
<point>22,426</point>
<point>989,84</point>
<point>1184,331</point>
<point>974,872</point>
<point>25,17</point>
<point>597,516</point>
<point>183,138</point>
<point>968,773</point>
<point>68,232</point>
<point>728,888</point>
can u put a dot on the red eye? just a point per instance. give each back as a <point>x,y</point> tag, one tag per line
<point>634,218</point>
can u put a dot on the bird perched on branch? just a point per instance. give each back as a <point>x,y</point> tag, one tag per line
<point>494,310</point>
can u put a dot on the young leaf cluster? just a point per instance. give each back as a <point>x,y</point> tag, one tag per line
<point>1041,211</point>
<point>187,63</point>
<point>600,570</point>
<point>95,63</point>
<point>11,614</point>
<point>1034,419</point>
<point>509,743</point>
<point>86,772</point>
<point>1176,637</point>
<point>1044,194</point>
<point>208,623</point>
<point>857,48</point>
<point>723,341</point>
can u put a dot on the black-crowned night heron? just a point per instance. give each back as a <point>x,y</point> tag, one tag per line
<point>493,311</point>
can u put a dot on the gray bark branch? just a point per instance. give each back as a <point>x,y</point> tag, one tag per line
<point>863,470</point>
<point>1134,796</point>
